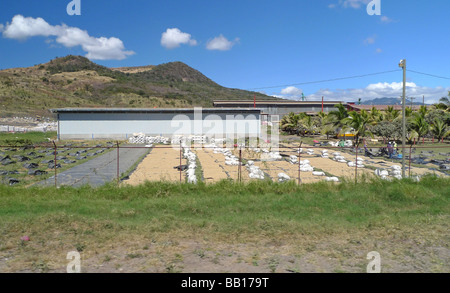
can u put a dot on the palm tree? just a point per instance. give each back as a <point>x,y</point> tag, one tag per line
<point>391,114</point>
<point>358,123</point>
<point>375,115</point>
<point>423,111</point>
<point>338,115</point>
<point>289,123</point>
<point>419,125</point>
<point>439,129</point>
<point>326,125</point>
<point>446,100</point>
<point>408,112</point>
<point>308,124</point>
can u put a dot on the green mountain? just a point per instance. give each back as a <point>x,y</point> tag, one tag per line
<point>75,81</point>
<point>389,101</point>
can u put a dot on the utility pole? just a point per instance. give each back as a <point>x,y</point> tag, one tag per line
<point>403,65</point>
<point>411,98</point>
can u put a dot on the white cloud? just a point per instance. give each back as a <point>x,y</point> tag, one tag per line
<point>379,50</point>
<point>172,38</point>
<point>1,27</point>
<point>221,43</point>
<point>292,91</point>
<point>381,90</point>
<point>369,40</point>
<point>101,48</point>
<point>331,6</point>
<point>386,19</point>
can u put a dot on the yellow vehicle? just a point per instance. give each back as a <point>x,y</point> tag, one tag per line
<point>346,135</point>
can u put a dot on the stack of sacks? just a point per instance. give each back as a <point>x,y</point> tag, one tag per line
<point>176,140</point>
<point>253,171</point>
<point>293,159</point>
<point>300,150</point>
<point>310,152</point>
<point>325,154</point>
<point>156,139</point>
<point>283,177</point>
<point>359,163</point>
<point>396,172</point>
<point>137,138</point>
<point>305,166</point>
<point>331,179</point>
<point>192,164</point>
<point>348,143</point>
<point>337,157</point>
<point>271,156</point>
<point>318,173</point>
<point>230,159</point>
<point>333,144</point>
<point>383,174</point>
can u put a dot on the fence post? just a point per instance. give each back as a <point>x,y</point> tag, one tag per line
<point>180,161</point>
<point>118,162</point>
<point>410,151</point>
<point>54,164</point>
<point>299,158</point>
<point>240,166</point>
<point>356,164</point>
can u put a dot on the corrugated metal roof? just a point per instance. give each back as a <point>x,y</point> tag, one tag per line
<point>154,110</point>
<point>276,102</point>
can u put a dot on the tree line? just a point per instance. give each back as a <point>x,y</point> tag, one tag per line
<point>426,122</point>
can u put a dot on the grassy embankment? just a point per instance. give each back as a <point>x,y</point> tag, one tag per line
<point>87,219</point>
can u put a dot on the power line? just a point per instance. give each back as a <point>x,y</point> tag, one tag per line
<point>437,76</point>
<point>322,81</point>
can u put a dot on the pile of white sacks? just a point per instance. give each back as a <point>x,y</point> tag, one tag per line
<point>386,174</point>
<point>254,172</point>
<point>293,159</point>
<point>283,177</point>
<point>140,138</point>
<point>191,158</point>
<point>359,163</point>
<point>339,158</point>
<point>270,156</point>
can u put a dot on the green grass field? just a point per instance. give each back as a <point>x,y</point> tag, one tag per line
<point>94,220</point>
<point>32,137</point>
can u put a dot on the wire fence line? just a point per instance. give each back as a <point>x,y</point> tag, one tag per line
<point>118,154</point>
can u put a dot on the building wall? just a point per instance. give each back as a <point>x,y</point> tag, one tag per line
<point>122,125</point>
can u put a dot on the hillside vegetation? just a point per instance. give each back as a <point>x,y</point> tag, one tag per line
<point>75,81</point>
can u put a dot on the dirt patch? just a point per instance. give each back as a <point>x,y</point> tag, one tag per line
<point>158,166</point>
<point>214,167</point>
<point>403,251</point>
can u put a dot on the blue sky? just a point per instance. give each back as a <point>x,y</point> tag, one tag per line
<point>246,44</point>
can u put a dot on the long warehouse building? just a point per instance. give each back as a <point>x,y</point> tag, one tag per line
<point>121,123</point>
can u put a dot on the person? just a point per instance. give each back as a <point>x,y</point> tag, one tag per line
<point>395,148</point>
<point>390,150</point>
